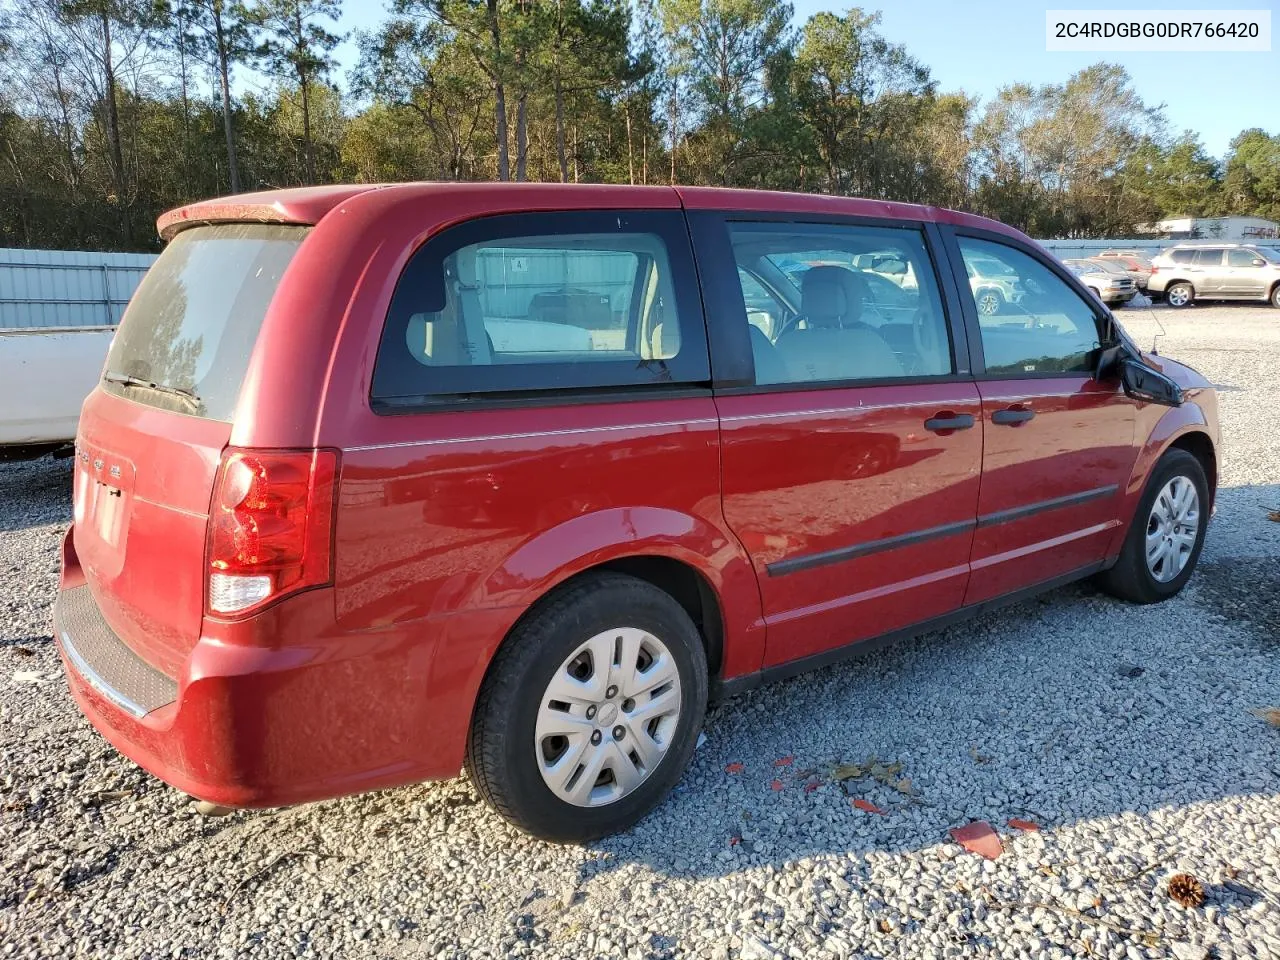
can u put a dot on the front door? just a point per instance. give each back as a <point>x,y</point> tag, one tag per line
<point>1058,444</point>
<point>851,458</point>
<point>1245,274</point>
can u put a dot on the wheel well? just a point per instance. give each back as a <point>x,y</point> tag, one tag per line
<point>1178,280</point>
<point>688,588</point>
<point>1201,447</point>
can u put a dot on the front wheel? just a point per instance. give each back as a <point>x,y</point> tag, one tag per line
<point>1275,295</point>
<point>1167,533</point>
<point>590,711</point>
<point>1181,294</point>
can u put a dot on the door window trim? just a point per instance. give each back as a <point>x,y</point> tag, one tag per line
<point>732,362</point>
<point>690,378</point>
<point>950,238</point>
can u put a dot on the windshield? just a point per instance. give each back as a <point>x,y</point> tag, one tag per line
<point>184,341</point>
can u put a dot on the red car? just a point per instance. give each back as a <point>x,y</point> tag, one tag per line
<point>384,482</point>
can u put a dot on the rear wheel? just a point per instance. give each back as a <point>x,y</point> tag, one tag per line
<point>1167,533</point>
<point>1275,295</point>
<point>1181,294</point>
<point>590,711</point>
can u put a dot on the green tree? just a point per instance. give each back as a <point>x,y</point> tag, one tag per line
<point>223,36</point>
<point>1251,185</point>
<point>296,47</point>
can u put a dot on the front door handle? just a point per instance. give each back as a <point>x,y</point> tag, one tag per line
<point>1012,416</point>
<point>946,422</point>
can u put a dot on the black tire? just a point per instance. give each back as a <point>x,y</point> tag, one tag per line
<point>1275,295</point>
<point>500,755</point>
<point>1130,579</point>
<point>1174,295</point>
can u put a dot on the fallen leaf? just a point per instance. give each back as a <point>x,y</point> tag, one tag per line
<point>734,768</point>
<point>811,786</point>
<point>24,651</point>
<point>1047,870</point>
<point>904,786</point>
<point>885,926</point>
<point>978,757</point>
<point>1269,714</point>
<point>776,785</point>
<point>1274,515</point>
<point>847,771</point>
<point>28,676</point>
<point>1029,826</point>
<point>867,806</point>
<point>979,838</point>
<point>734,841</point>
<point>784,761</point>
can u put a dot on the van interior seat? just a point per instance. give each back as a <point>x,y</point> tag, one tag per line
<point>835,343</point>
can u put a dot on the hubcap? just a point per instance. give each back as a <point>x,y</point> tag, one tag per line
<point>608,717</point>
<point>989,304</point>
<point>1178,296</point>
<point>1172,529</point>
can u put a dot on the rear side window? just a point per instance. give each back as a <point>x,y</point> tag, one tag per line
<point>1182,256</point>
<point>539,302</point>
<point>1209,258</point>
<point>185,339</point>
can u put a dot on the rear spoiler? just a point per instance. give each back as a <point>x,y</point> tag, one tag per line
<point>304,206</point>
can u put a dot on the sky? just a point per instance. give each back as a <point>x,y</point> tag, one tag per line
<point>980,46</point>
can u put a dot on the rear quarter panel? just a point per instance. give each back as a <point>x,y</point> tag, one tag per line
<point>451,524</point>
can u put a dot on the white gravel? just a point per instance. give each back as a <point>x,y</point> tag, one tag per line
<point>1125,732</point>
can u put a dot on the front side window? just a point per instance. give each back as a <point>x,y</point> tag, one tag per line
<point>515,304</point>
<point>844,303</point>
<point>1243,258</point>
<point>1031,320</point>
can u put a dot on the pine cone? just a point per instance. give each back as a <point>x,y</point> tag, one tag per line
<point>1186,890</point>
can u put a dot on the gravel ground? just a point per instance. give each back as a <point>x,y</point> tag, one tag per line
<point>1126,733</point>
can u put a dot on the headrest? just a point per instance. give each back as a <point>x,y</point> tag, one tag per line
<point>831,296</point>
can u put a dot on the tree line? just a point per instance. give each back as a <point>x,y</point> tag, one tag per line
<point>114,110</point>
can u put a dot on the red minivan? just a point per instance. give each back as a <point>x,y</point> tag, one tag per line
<point>384,482</point>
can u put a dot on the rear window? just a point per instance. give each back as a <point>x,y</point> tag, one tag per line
<point>184,341</point>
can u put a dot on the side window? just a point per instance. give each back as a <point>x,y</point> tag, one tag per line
<point>846,303</point>
<point>1242,258</point>
<point>552,301</point>
<point>1031,321</point>
<point>1210,257</point>
<point>1183,256</point>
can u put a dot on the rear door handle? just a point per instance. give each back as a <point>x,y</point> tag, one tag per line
<point>946,422</point>
<point>1012,416</point>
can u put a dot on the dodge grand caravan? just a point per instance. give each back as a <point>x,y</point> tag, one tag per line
<point>382,483</point>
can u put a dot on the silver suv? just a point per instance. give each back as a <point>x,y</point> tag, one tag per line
<point>1221,271</point>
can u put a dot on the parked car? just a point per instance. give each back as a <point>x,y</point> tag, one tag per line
<point>48,371</point>
<point>993,284</point>
<point>1220,271</point>
<point>337,528</point>
<point>1136,262</point>
<point>1109,286</point>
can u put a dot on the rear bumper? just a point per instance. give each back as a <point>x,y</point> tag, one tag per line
<point>252,725</point>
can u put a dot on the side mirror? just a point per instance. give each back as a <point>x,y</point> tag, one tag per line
<point>1151,386</point>
<point>1258,262</point>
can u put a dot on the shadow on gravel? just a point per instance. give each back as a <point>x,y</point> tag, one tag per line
<point>34,493</point>
<point>1065,709</point>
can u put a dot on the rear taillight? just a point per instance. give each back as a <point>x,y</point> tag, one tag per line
<point>270,527</point>
<point>1154,270</point>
